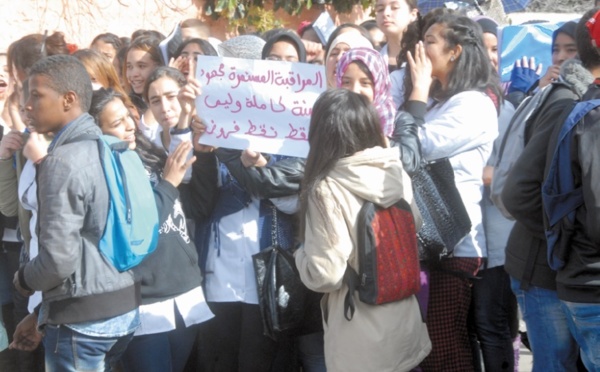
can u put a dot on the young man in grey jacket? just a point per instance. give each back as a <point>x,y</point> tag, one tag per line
<point>89,309</point>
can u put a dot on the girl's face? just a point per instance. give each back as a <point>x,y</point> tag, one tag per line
<point>283,51</point>
<point>162,98</point>
<point>356,80</point>
<point>116,121</point>
<point>393,16</point>
<point>192,50</point>
<point>139,66</point>
<point>438,52</point>
<point>564,47</point>
<point>490,42</point>
<point>330,65</point>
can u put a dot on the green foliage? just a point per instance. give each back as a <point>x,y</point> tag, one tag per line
<point>256,19</point>
<point>238,10</point>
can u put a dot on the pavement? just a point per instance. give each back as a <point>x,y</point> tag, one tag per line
<point>525,360</point>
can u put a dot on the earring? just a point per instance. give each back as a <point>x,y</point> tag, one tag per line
<point>451,58</point>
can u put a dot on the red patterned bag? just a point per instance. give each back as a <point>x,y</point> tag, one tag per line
<point>388,258</point>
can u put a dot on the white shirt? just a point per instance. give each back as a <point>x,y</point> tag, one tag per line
<point>160,316</point>
<point>463,129</point>
<point>384,52</point>
<point>397,79</point>
<point>27,193</point>
<point>229,273</point>
<point>150,132</point>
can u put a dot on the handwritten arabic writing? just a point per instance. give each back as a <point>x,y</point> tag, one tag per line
<point>270,77</point>
<point>235,106</point>
<point>295,133</point>
<point>258,104</point>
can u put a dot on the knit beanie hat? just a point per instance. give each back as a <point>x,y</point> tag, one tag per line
<point>244,46</point>
<point>487,25</point>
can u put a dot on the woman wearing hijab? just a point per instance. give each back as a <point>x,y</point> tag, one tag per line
<point>525,78</point>
<point>340,45</point>
<point>363,70</point>
<point>284,45</point>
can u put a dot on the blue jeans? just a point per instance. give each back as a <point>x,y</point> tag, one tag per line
<point>584,323</point>
<point>311,352</point>
<point>495,315</point>
<point>552,345</point>
<point>68,350</point>
<point>166,351</point>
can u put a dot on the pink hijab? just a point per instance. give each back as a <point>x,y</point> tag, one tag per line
<point>382,97</point>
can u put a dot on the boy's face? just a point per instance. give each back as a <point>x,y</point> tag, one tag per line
<point>45,106</point>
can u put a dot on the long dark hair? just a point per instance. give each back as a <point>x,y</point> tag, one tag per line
<point>414,33</point>
<point>342,124</point>
<point>472,69</point>
<point>153,157</point>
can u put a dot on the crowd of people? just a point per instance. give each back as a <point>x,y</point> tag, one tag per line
<point>403,90</point>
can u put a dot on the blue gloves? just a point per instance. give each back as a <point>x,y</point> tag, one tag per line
<point>523,78</point>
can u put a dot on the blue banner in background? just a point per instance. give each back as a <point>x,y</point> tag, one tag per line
<point>533,40</point>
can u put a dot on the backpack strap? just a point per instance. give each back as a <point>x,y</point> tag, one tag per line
<point>560,197</point>
<point>351,277</point>
<point>351,280</point>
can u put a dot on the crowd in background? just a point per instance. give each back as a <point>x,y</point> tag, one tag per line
<point>403,89</point>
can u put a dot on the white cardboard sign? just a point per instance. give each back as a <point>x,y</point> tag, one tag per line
<point>262,105</point>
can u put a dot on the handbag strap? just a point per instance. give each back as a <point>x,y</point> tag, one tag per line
<point>274,227</point>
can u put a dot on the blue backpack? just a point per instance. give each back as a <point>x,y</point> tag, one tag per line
<point>560,197</point>
<point>131,230</point>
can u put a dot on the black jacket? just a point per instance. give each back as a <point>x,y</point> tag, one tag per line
<point>406,134</point>
<point>526,248</point>
<point>172,269</point>
<point>579,280</point>
<point>277,180</point>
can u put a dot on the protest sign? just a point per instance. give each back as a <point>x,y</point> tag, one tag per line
<point>262,105</point>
